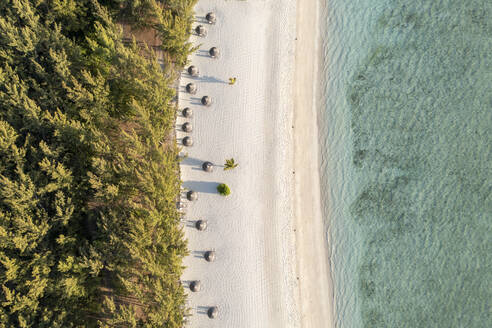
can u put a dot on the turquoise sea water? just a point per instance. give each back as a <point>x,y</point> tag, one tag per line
<point>406,144</point>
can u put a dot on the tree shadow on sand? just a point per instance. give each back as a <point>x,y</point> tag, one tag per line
<point>210,79</point>
<point>203,79</point>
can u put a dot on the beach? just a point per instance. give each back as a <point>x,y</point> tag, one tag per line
<point>313,265</point>
<point>271,267</point>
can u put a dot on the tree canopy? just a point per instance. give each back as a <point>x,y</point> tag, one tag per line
<point>89,229</point>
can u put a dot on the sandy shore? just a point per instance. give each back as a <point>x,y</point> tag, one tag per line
<point>268,234</point>
<point>313,266</point>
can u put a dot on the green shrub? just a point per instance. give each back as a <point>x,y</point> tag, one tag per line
<point>223,189</point>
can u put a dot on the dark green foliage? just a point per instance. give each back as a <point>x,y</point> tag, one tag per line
<point>223,189</point>
<point>89,230</point>
<point>170,18</point>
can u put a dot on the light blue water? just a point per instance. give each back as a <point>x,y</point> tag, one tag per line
<point>406,138</point>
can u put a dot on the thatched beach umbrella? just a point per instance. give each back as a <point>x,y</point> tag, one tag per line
<point>187,112</point>
<point>214,52</point>
<point>211,19</point>
<point>187,141</point>
<point>200,30</point>
<point>192,195</point>
<point>187,127</point>
<point>193,70</point>
<point>201,225</point>
<point>207,166</point>
<point>195,286</point>
<point>212,312</point>
<point>206,100</point>
<point>209,256</point>
<point>191,88</point>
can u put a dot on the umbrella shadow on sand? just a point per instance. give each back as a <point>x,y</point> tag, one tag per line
<point>199,254</point>
<point>201,19</point>
<point>191,223</point>
<point>203,53</point>
<point>201,186</point>
<point>191,161</point>
<point>202,309</point>
<point>196,101</point>
<point>197,164</point>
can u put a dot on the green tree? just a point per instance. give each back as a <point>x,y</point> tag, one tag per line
<point>89,229</point>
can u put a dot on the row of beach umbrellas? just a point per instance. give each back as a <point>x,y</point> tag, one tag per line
<point>191,195</point>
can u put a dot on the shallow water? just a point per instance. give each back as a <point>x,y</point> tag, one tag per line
<point>407,161</point>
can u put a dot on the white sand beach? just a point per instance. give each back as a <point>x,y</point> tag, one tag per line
<point>271,267</point>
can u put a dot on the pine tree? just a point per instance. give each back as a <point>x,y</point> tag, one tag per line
<point>88,167</point>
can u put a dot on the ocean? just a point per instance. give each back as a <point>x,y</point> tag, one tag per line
<point>406,148</point>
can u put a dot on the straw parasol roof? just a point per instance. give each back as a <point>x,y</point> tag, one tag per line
<point>193,70</point>
<point>214,52</point>
<point>207,166</point>
<point>211,18</point>
<point>200,30</point>
<point>187,127</point>
<point>187,141</point>
<point>187,112</point>
<point>191,88</point>
<point>192,195</point>
<point>212,312</point>
<point>195,286</point>
<point>210,256</point>
<point>201,225</point>
<point>206,100</point>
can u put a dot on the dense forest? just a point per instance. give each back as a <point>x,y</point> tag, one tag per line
<point>89,229</point>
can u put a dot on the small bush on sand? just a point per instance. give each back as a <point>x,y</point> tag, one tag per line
<point>223,189</point>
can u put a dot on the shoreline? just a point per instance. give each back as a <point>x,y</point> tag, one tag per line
<point>312,247</point>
